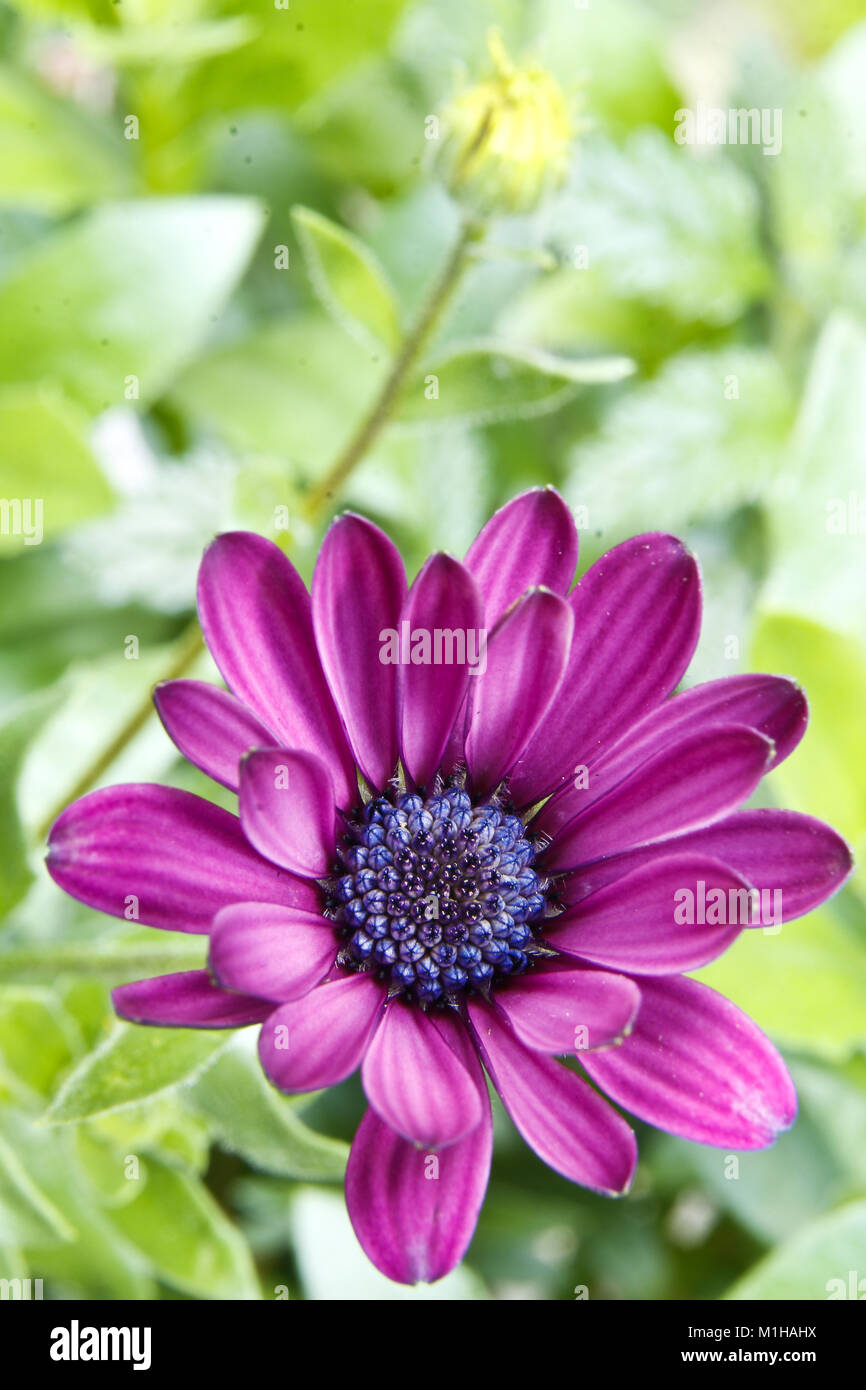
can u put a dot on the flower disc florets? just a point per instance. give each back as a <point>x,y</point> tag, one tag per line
<point>437,896</point>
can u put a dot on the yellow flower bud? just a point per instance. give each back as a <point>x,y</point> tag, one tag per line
<point>507,138</point>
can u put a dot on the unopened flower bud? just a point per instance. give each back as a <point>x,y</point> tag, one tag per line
<point>507,138</point>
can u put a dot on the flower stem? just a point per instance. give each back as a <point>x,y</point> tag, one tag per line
<point>407,355</point>
<point>190,644</point>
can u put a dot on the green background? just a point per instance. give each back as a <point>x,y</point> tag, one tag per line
<point>181,354</point>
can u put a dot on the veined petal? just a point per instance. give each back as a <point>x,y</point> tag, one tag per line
<point>671,914</point>
<point>189,999</point>
<point>256,617</point>
<point>569,1010</point>
<point>415,1213</point>
<point>210,727</point>
<point>319,1040</point>
<point>530,542</point>
<point>772,705</point>
<point>359,587</point>
<point>416,1082</point>
<point>637,614</point>
<point>163,857</point>
<point>276,953</point>
<point>701,779</point>
<point>800,859</point>
<point>444,599</point>
<point>287,809</point>
<point>568,1125</point>
<point>696,1065</point>
<point>526,658</point>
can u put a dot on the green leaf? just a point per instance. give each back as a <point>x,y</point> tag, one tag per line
<point>37,429</point>
<point>824,774</point>
<point>348,279</point>
<point>54,157</point>
<point>248,1117</point>
<point>27,1216</point>
<point>129,291</point>
<point>131,1064</point>
<point>815,1264</point>
<point>486,381</point>
<point>806,986</point>
<point>817,513</point>
<point>16,733</point>
<point>176,1224</point>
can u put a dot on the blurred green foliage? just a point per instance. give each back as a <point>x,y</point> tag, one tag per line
<point>215,221</point>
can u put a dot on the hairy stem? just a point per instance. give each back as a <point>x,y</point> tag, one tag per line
<point>379,413</point>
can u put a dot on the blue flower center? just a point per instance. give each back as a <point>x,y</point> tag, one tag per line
<point>437,897</point>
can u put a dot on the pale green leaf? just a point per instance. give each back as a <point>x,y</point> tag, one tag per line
<point>348,279</point>
<point>248,1117</point>
<point>27,1216</point>
<point>663,225</point>
<point>16,732</point>
<point>116,961</point>
<point>485,381</point>
<point>703,436</point>
<point>129,291</point>
<point>178,1227</point>
<point>817,511</point>
<point>824,775</point>
<point>54,157</point>
<point>806,985</point>
<point>130,1065</point>
<point>41,496</point>
<point>815,1264</point>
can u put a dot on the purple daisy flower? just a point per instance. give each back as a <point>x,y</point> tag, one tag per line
<point>504,891</point>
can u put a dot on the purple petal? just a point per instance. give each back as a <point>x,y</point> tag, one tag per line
<point>415,1213</point>
<point>287,809</point>
<point>562,1119</point>
<point>526,659</point>
<point>359,587</point>
<point>276,953</point>
<point>637,614</point>
<point>210,727</point>
<point>163,857</point>
<point>443,598</point>
<point>654,921</point>
<point>416,1082</point>
<point>319,1040</point>
<point>569,1010</point>
<point>189,999</point>
<point>256,617</point>
<point>695,1065</point>
<point>772,705</point>
<point>530,541</point>
<point>697,781</point>
<point>784,852</point>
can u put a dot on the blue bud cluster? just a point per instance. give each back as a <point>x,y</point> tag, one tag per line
<point>436,896</point>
